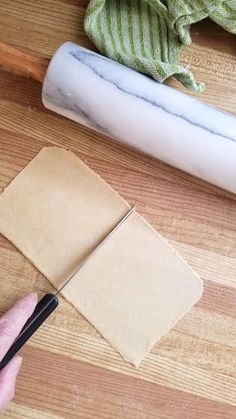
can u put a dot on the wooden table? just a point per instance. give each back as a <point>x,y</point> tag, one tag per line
<point>69,370</point>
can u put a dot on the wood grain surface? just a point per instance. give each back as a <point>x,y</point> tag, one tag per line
<point>69,371</point>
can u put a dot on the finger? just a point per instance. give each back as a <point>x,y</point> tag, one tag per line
<point>13,321</point>
<point>8,381</point>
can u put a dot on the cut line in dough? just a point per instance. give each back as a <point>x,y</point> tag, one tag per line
<point>135,288</point>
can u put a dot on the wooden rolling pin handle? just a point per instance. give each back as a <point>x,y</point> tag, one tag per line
<point>22,62</point>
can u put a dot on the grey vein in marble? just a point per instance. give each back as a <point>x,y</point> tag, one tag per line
<point>88,59</point>
<point>151,117</point>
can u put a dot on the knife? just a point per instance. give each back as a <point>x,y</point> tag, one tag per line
<point>50,301</point>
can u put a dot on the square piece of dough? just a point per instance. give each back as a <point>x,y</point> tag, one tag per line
<point>134,289</point>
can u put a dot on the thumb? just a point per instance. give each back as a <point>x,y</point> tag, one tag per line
<point>8,381</point>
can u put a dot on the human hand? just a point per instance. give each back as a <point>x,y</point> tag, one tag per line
<point>10,326</point>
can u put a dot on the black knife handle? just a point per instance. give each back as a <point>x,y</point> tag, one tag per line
<point>43,309</point>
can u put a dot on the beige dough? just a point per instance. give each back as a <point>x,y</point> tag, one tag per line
<point>134,289</point>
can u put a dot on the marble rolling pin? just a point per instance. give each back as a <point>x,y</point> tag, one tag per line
<point>124,104</point>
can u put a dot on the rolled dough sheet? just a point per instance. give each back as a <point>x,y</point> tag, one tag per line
<point>134,289</point>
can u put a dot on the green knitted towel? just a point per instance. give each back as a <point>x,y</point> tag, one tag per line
<point>148,34</point>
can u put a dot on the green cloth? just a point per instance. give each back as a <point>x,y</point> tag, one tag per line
<point>148,34</point>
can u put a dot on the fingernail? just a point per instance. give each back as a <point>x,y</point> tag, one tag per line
<point>31,297</point>
<point>17,362</point>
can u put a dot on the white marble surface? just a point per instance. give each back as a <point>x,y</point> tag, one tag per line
<point>154,118</point>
